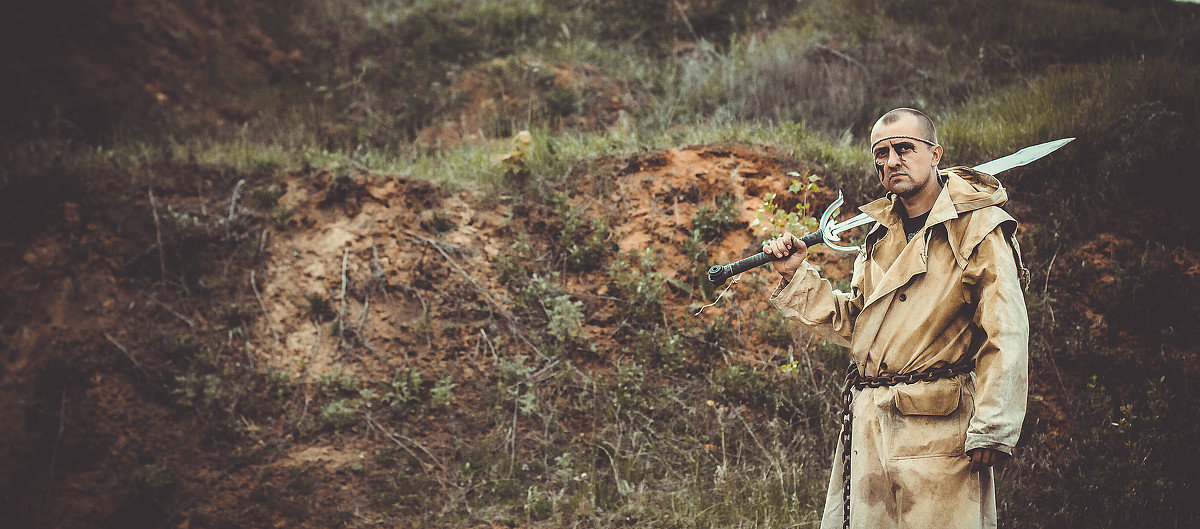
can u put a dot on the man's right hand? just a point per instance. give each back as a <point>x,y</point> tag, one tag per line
<point>779,247</point>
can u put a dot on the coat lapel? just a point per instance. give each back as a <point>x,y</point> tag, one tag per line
<point>913,259</point>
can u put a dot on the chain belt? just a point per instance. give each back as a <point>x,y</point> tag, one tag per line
<point>855,380</point>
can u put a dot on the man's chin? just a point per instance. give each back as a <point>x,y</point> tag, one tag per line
<point>903,189</point>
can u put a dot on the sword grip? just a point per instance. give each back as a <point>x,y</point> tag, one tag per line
<point>718,274</point>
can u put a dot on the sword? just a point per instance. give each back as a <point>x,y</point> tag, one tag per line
<point>828,231</point>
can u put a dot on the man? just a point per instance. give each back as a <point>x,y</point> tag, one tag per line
<point>936,292</point>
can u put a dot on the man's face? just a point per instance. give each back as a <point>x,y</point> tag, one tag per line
<point>905,160</point>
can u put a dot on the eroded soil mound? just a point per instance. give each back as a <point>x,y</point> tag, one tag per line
<point>177,351</point>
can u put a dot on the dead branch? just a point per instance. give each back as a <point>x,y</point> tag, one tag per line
<point>233,200</point>
<point>377,271</point>
<point>512,320</point>
<point>396,438</point>
<point>62,425</point>
<point>263,306</point>
<point>191,324</point>
<point>128,355</point>
<point>162,259</point>
<point>342,310</point>
<point>1049,267</point>
<point>262,241</point>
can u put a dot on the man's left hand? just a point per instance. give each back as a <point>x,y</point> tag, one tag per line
<point>982,458</point>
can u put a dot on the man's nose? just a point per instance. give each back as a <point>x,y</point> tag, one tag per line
<point>894,159</point>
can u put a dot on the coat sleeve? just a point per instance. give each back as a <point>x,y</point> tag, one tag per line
<point>811,301</point>
<point>1002,364</point>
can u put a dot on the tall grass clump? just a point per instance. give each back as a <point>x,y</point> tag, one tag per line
<point>1130,120</point>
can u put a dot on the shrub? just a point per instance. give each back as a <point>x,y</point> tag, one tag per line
<point>661,349</point>
<point>714,221</point>
<point>339,413</point>
<point>404,388</point>
<point>640,285</point>
<point>774,219</point>
<point>585,242</point>
<point>566,321</point>
<point>319,308</point>
<point>442,393</point>
<point>510,266</point>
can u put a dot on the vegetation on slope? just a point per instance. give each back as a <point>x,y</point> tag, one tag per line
<point>120,200</point>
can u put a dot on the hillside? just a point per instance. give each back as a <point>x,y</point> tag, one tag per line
<point>300,266</point>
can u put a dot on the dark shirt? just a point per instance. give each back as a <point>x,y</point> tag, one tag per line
<point>913,225</point>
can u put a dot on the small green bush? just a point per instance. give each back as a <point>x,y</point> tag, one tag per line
<point>404,388</point>
<point>715,221</point>
<point>660,349</point>
<point>566,321</point>
<point>640,286</point>
<point>510,266</point>
<point>584,241</point>
<point>335,383</point>
<point>773,328</point>
<point>339,413</point>
<point>442,393</point>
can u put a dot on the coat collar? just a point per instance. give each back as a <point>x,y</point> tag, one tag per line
<point>886,209</point>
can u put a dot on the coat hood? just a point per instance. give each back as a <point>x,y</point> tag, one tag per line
<point>970,189</point>
<point>964,207</point>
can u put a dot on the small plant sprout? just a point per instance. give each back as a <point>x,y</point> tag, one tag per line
<point>773,220</point>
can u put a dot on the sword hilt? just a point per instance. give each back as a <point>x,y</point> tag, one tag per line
<point>718,274</point>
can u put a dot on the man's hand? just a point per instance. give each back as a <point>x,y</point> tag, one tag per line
<point>982,458</point>
<point>779,247</point>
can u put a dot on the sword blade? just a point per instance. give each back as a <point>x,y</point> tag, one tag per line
<point>1021,157</point>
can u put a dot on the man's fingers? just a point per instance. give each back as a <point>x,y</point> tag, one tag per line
<point>982,458</point>
<point>782,246</point>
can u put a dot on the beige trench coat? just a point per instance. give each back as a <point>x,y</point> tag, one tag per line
<point>953,291</point>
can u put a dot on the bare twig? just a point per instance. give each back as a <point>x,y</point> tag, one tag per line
<point>62,424</point>
<point>686,22</point>
<point>263,306</point>
<point>127,354</point>
<point>362,318</point>
<point>1050,267</point>
<point>590,295</point>
<point>491,346</point>
<point>512,435</point>
<point>313,358</point>
<point>262,241</point>
<point>1046,286</point>
<point>424,310</point>
<point>162,259</point>
<point>396,438</point>
<point>512,321</point>
<point>841,56</point>
<point>190,323</point>
<point>233,200</point>
<point>342,310</point>
<point>377,271</point>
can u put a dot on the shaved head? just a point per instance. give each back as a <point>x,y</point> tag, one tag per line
<point>924,124</point>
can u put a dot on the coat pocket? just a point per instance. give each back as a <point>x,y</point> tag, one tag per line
<point>928,419</point>
<point>939,397</point>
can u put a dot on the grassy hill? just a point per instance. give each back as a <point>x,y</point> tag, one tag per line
<point>273,265</point>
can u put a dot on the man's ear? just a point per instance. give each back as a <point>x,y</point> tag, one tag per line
<point>937,154</point>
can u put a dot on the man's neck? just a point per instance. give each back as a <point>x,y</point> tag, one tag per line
<point>922,203</point>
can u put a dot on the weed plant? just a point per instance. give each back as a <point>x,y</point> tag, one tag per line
<point>640,285</point>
